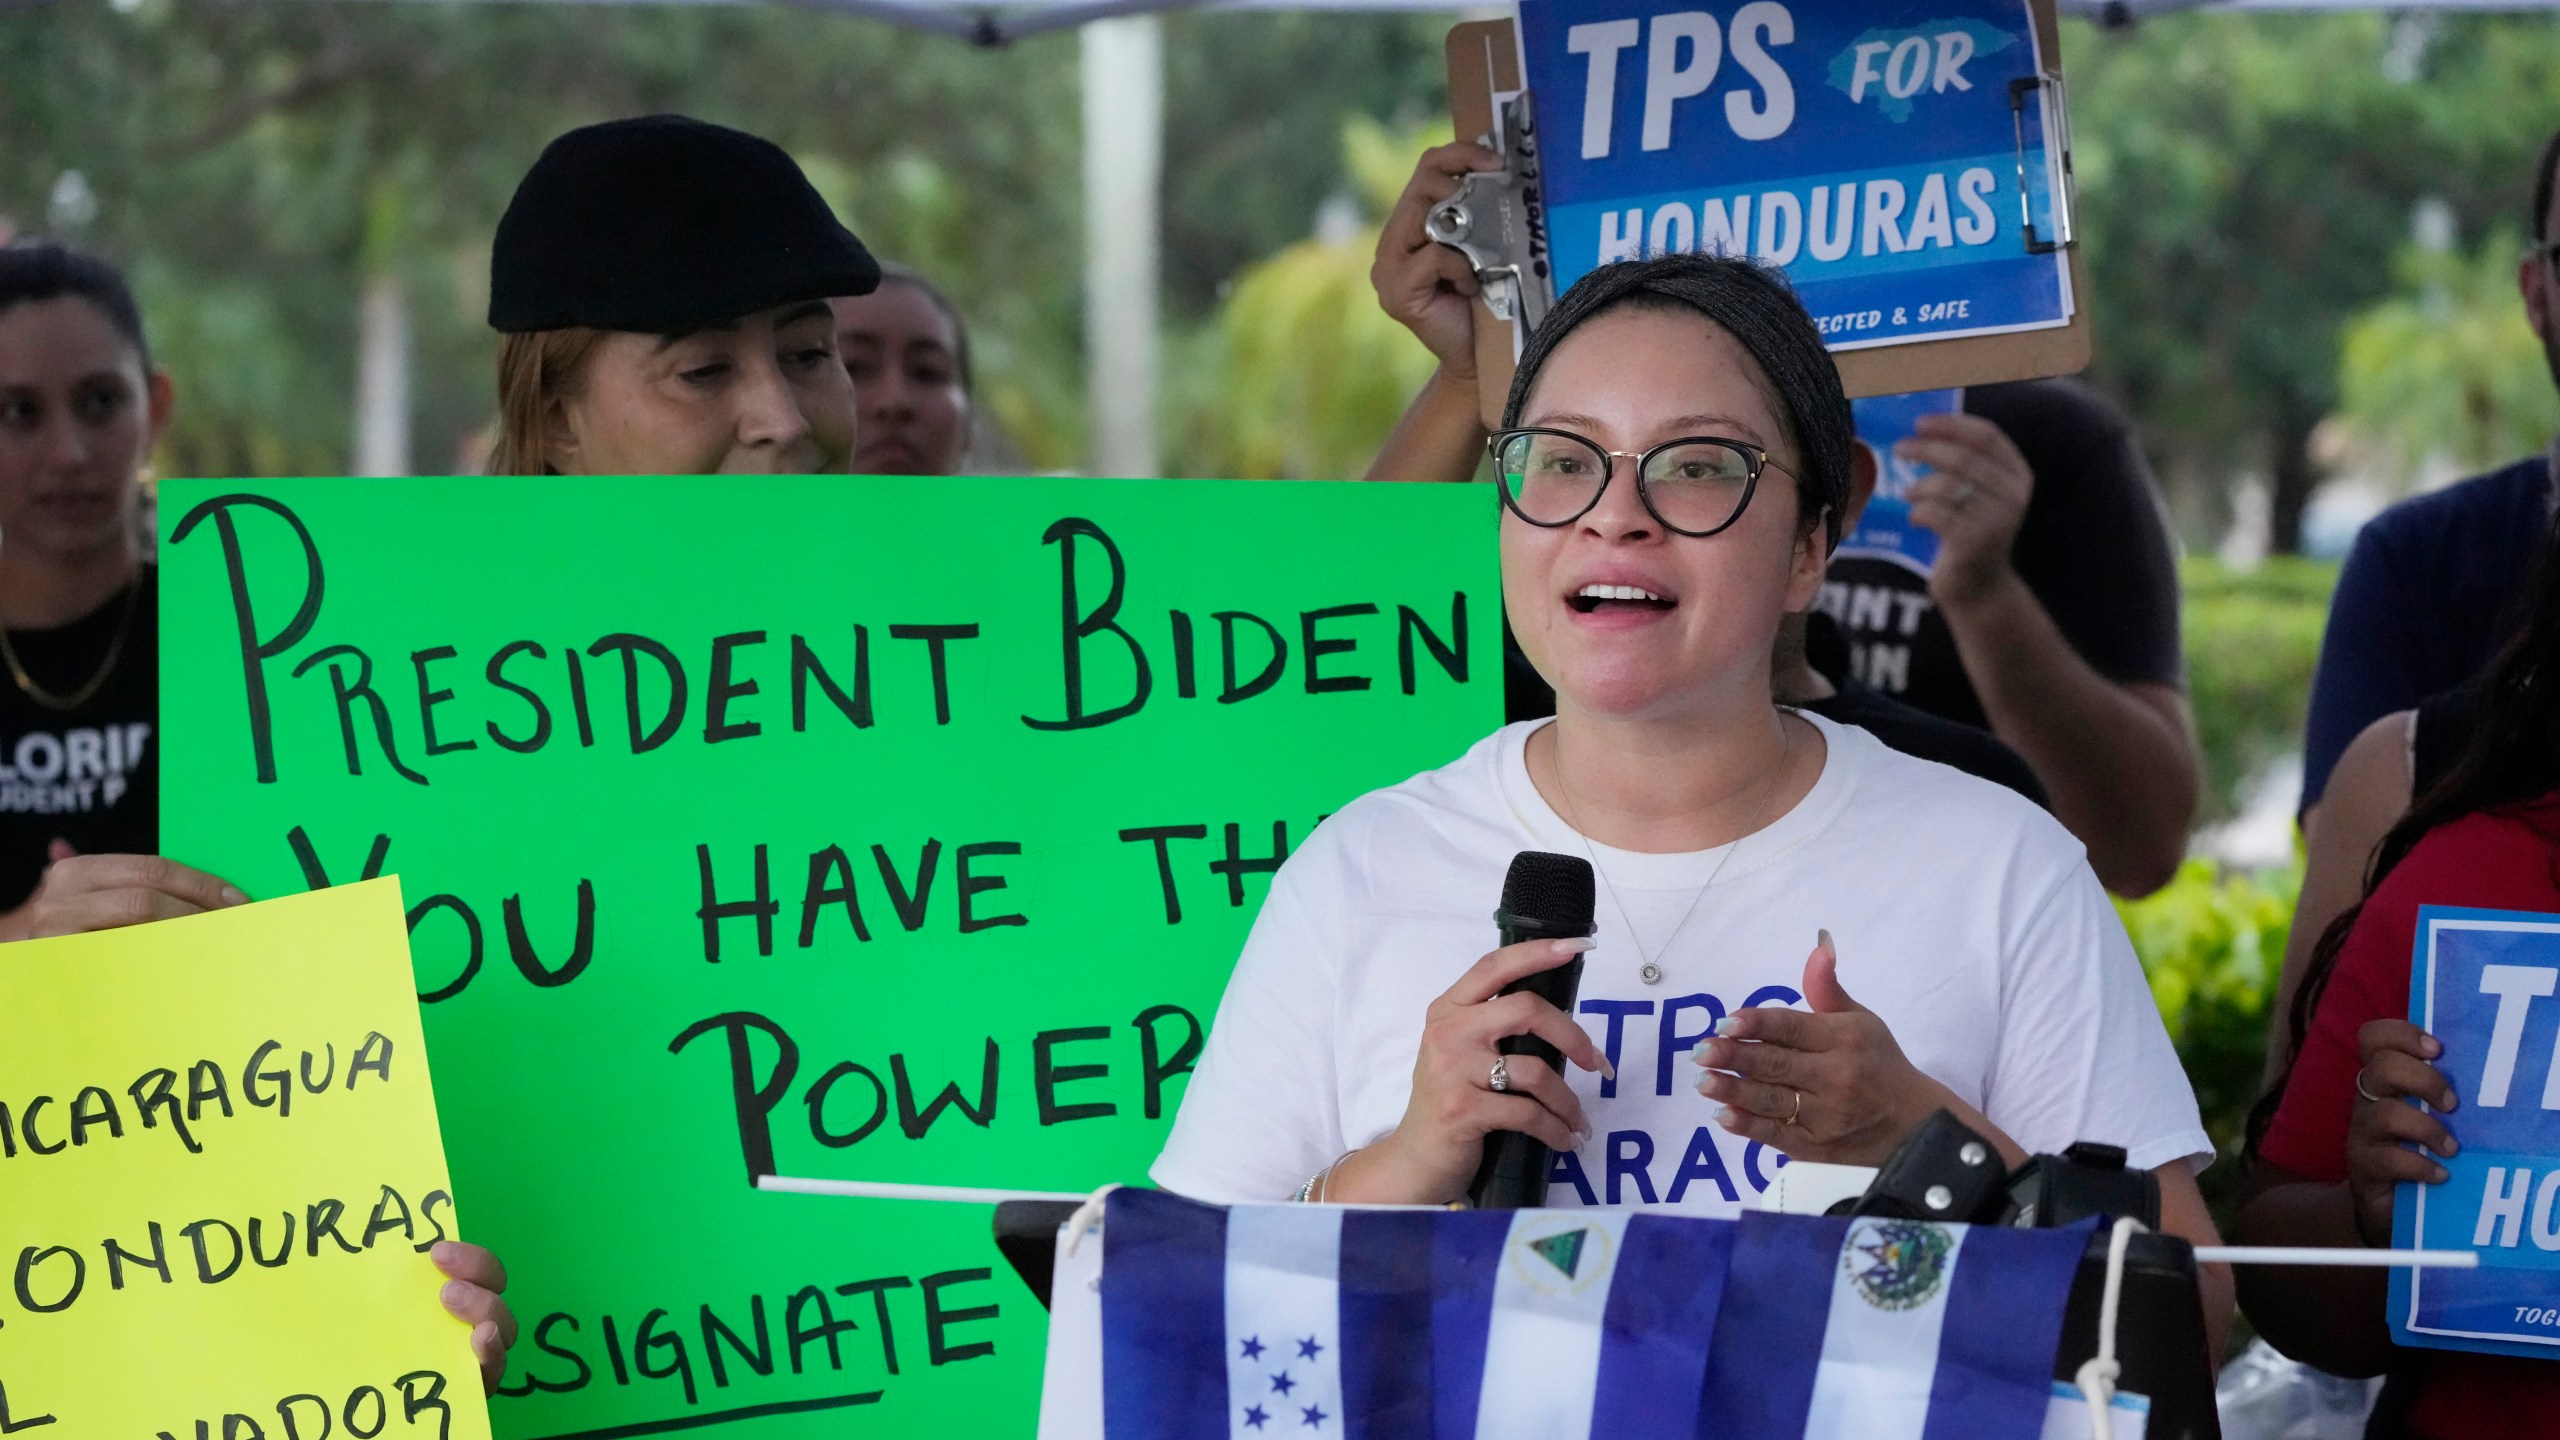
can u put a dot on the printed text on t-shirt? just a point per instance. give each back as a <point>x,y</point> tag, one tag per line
<point>80,770</point>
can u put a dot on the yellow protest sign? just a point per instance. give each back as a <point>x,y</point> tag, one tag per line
<point>219,1177</point>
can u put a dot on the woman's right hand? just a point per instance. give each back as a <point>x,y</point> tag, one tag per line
<point>1432,1154</point>
<point>81,893</point>
<point>1429,288</point>
<point>2398,1062</point>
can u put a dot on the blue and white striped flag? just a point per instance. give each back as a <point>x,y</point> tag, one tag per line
<point>1316,1322</point>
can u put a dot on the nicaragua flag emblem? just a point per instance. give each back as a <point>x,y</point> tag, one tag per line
<point>1318,1322</point>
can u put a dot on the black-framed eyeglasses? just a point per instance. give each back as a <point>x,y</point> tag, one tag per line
<point>1696,486</point>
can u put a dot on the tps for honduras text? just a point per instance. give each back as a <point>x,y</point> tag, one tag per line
<point>1682,55</point>
<point>2512,1205</point>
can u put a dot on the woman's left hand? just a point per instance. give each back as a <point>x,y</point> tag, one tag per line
<point>2388,1139</point>
<point>1830,1086</point>
<point>474,1283</point>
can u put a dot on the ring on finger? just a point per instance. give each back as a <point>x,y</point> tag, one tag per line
<point>1500,1079</point>
<point>1797,1113</point>
<point>2369,1095</point>
<point>1964,494</point>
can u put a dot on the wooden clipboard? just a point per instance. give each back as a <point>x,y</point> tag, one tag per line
<point>1484,60</point>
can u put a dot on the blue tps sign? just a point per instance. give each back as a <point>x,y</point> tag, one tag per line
<point>1869,148</point>
<point>1886,530</point>
<point>2483,982</point>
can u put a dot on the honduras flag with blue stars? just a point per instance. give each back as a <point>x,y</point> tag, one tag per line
<point>1317,1322</point>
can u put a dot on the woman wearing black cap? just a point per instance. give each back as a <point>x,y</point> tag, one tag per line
<point>663,284</point>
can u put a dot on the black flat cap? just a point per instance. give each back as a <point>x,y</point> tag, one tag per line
<point>665,223</point>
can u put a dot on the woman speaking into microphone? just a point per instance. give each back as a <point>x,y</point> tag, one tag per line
<point>1807,942</point>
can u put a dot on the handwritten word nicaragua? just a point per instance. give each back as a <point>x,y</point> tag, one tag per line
<point>154,1097</point>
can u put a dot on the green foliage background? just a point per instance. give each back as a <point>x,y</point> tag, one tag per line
<point>2253,639</point>
<point>2247,184</point>
<point>2212,941</point>
<point>2212,945</point>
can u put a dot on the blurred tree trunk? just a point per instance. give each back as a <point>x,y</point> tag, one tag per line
<point>382,341</point>
<point>2290,469</point>
<point>1123,71</point>
<point>382,377</point>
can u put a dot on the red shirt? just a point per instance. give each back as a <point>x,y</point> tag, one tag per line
<point>2504,860</point>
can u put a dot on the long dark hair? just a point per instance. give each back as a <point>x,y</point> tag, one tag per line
<point>2512,758</point>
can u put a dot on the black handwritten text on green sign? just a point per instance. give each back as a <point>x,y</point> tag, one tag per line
<point>813,827</point>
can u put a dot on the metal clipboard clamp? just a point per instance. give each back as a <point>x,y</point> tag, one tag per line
<point>2048,89</point>
<point>1499,222</point>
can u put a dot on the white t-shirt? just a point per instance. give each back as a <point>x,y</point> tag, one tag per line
<point>1963,915</point>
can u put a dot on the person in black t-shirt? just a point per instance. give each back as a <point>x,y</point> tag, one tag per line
<point>80,641</point>
<point>79,606</point>
<point>1813,673</point>
<point>2050,618</point>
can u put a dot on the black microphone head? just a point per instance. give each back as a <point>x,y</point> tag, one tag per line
<point>1547,894</point>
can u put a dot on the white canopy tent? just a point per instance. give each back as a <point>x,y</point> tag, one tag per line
<point>1003,21</point>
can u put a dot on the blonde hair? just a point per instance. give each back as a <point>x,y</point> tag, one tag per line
<point>534,367</point>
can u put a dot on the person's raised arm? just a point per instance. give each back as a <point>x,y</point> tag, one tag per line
<point>2118,758</point>
<point>1431,290</point>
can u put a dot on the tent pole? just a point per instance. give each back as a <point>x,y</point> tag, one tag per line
<point>1123,77</point>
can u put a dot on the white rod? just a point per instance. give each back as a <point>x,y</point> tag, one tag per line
<point>881,1190</point>
<point>2288,1255</point>
<point>2205,1254</point>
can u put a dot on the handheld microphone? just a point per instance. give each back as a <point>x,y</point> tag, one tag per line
<point>1544,897</point>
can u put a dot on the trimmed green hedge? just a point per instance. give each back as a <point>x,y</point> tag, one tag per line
<point>2212,945</point>
<point>2253,639</point>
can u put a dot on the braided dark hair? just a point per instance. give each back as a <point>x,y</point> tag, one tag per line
<point>1753,303</point>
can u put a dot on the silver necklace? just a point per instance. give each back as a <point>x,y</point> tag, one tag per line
<point>1650,970</point>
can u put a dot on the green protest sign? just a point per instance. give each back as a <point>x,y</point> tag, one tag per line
<point>815,827</point>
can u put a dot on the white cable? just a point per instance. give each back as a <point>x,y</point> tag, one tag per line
<point>2373,1259</point>
<point>2097,1374</point>
<point>885,1190</point>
